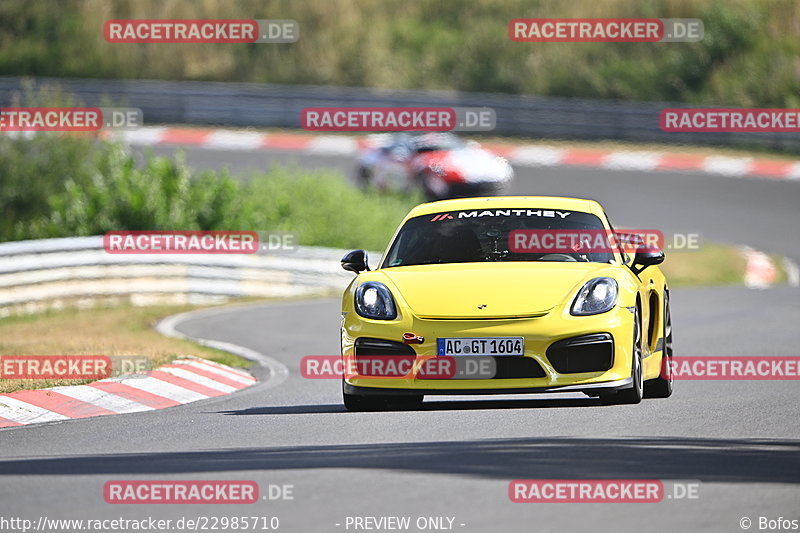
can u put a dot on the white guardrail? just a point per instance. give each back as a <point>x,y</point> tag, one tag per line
<point>263,105</point>
<point>41,274</point>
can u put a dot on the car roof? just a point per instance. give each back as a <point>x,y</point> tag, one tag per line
<point>510,202</point>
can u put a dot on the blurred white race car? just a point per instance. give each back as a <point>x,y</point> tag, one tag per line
<point>442,165</point>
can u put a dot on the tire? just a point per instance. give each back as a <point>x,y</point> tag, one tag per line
<point>424,180</point>
<point>504,189</point>
<point>363,177</point>
<point>634,394</point>
<point>358,403</point>
<point>661,387</point>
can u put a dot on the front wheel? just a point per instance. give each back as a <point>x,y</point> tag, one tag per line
<point>363,177</point>
<point>661,387</point>
<point>635,393</point>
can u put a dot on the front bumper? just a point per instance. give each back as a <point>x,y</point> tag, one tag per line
<point>609,386</point>
<point>540,333</point>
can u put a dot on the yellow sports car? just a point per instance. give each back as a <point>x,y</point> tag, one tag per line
<point>515,296</point>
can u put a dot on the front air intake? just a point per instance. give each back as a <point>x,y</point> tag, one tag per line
<point>587,353</point>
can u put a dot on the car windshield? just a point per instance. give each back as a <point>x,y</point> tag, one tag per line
<point>436,141</point>
<point>475,236</point>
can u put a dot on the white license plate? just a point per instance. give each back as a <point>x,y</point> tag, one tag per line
<point>480,346</point>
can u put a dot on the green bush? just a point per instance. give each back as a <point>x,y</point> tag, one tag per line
<point>53,186</point>
<point>31,172</point>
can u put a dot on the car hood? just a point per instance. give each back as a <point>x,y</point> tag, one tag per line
<point>489,290</point>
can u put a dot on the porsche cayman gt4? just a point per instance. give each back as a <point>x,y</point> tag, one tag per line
<point>506,295</point>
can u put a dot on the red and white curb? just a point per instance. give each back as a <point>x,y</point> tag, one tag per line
<point>533,155</point>
<point>760,271</point>
<point>180,382</point>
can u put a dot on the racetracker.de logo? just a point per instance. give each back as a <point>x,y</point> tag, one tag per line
<point>549,241</point>
<point>378,118</point>
<point>55,367</point>
<point>69,118</point>
<point>586,30</point>
<point>586,491</point>
<point>181,492</point>
<point>605,30</point>
<point>390,119</point>
<point>200,31</point>
<point>732,368</point>
<point>730,120</point>
<point>397,366</point>
<point>181,242</point>
<point>83,367</point>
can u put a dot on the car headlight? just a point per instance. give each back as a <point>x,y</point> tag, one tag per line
<point>596,296</point>
<point>373,300</point>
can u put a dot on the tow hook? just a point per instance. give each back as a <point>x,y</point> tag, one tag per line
<point>411,338</point>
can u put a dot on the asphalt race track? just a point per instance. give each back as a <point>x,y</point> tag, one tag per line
<point>455,458</point>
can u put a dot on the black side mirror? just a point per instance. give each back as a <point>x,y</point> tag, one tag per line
<point>646,256</point>
<point>355,261</point>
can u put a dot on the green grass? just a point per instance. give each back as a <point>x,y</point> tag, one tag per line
<point>712,264</point>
